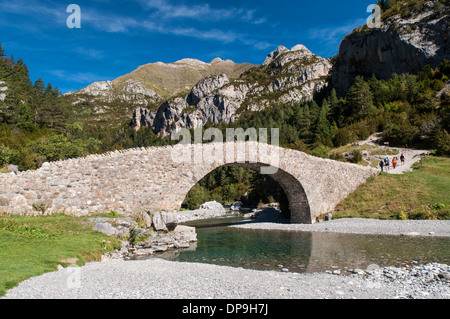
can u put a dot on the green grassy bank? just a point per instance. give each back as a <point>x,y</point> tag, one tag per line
<point>423,193</point>
<point>31,246</point>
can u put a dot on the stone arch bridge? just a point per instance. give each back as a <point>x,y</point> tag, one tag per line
<point>158,178</point>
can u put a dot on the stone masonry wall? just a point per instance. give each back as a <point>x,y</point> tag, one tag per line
<point>158,178</point>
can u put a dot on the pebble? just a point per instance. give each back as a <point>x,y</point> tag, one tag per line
<point>157,278</point>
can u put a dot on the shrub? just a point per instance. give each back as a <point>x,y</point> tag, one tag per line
<point>400,134</point>
<point>356,156</point>
<point>343,137</point>
<point>442,142</point>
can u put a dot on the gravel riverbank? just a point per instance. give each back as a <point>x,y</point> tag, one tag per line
<point>156,278</point>
<point>357,226</point>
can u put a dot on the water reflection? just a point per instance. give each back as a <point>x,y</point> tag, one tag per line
<point>307,251</point>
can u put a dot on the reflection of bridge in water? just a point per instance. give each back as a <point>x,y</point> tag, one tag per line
<point>154,179</point>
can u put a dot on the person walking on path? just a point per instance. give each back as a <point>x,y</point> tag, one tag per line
<point>381,165</point>
<point>402,159</point>
<point>394,162</point>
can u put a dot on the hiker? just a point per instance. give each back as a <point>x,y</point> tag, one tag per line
<point>381,165</point>
<point>402,159</point>
<point>394,162</point>
<point>386,162</point>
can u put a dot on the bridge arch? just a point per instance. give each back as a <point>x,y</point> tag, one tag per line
<point>294,191</point>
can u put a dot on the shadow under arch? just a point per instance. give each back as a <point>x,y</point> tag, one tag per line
<point>299,207</point>
<point>295,193</point>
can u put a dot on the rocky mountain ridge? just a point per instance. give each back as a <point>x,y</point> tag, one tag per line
<point>111,103</point>
<point>286,76</point>
<point>133,91</point>
<point>169,79</point>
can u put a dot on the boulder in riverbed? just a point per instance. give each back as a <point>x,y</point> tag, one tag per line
<point>214,206</point>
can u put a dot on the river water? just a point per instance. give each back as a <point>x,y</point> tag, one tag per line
<point>305,251</point>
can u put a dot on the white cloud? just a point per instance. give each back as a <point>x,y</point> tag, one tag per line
<point>335,33</point>
<point>330,37</point>
<point>90,53</point>
<point>165,10</point>
<point>212,34</point>
<point>160,21</point>
<point>79,77</point>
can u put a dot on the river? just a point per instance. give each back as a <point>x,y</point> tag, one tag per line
<point>300,251</point>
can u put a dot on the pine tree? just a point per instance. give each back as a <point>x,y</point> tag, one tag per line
<point>37,100</point>
<point>304,124</point>
<point>323,128</point>
<point>2,64</point>
<point>19,88</point>
<point>52,113</point>
<point>359,98</point>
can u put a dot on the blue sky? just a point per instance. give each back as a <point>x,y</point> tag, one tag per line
<point>118,36</point>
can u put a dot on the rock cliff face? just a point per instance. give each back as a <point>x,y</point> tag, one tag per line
<point>104,91</point>
<point>285,76</point>
<point>402,45</point>
<point>3,89</point>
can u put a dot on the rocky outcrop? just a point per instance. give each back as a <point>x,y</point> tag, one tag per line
<point>132,91</point>
<point>207,210</point>
<point>146,234</point>
<point>142,117</point>
<point>401,45</point>
<point>286,76</point>
<point>3,89</point>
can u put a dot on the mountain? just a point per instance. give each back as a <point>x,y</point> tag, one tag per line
<point>111,103</point>
<point>286,76</point>
<point>412,35</point>
<point>154,82</point>
<point>170,79</point>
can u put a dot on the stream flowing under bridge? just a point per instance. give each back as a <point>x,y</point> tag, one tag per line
<point>158,179</point>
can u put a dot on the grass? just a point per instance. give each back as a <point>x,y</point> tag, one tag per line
<point>350,148</point>
<point>31,246</point>
<point>423,193</point>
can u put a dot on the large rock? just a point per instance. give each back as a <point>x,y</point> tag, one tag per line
<point>236,206</point>
<point>170,220</point>
<point>19,204</point>
<point>106,228</point>
<point>213,205</point>
<point>144,220</point>
<point>158,223</point>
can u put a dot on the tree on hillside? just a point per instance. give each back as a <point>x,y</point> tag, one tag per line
<point>323,128</point>
<point>303,123</point>
<point>53,113</point>
<point>2,64</point>
<point>360,98</point>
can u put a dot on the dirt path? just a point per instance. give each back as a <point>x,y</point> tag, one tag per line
<point>412,156</point>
